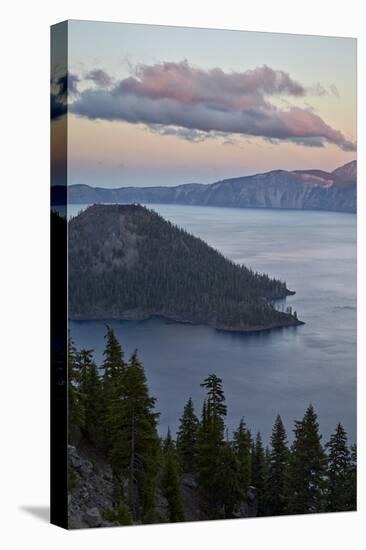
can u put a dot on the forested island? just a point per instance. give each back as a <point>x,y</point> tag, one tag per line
<point>121,472</point>
<point>127,262</point>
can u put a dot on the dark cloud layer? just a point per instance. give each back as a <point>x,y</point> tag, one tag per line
<point>198,102</point>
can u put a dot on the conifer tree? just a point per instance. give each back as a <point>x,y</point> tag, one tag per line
<point>170,482</point>
<point>229,493</point>
<point>242,442</point>
<point>112,385</point>
<point>204,421</point>
<point>267,454</point>
<point>338,470</point>
<point>91,391</point>
<point>210,443</point>
<point>121,512</point>
<point>187,438</point>
<point>113,364</point>
<point>277,482</point>
<point>76,412</point>
<point>351,487</point>
<point>215,409</point>
<point>134,440</point>
<point>259,472</point>
<point>307,467</point>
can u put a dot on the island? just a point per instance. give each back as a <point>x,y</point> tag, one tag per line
<point>127,262</point>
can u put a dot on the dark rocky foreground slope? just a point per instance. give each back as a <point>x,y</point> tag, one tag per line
<point>91,493</point>
<point>127,262</point>
<point>299,189</point>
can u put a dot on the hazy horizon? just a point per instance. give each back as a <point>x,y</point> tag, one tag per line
<point>96,184</point>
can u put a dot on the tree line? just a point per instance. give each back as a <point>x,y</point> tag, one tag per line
<point>115,412</point>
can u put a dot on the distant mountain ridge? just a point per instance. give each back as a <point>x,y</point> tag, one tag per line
<point>298,189</point>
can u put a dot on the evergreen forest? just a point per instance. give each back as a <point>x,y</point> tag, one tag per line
<point>111,408</point>
<point>127,262</point>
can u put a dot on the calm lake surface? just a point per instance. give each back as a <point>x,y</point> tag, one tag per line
<point>279,371</point>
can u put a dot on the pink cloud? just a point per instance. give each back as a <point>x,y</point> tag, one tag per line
<point>177,95</point>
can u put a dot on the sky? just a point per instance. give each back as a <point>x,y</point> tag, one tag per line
<point>153,105</point>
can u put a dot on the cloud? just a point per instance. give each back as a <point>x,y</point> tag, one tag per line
<point>187,85</point>
<point>319,90</point>
<point>334,90</point>
<point>99,77</point>
<point>193,103</point>
<point>187,134</point>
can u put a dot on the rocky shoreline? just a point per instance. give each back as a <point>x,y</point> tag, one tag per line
<point>142,317</point>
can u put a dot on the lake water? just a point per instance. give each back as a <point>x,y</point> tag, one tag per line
<point>279,371</point>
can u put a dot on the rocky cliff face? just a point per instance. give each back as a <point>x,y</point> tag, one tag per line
<point>91,492</point>
<point>299,189</point>
<point>281,189</point>
<point>90,489</point>
<point>346,174</point>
